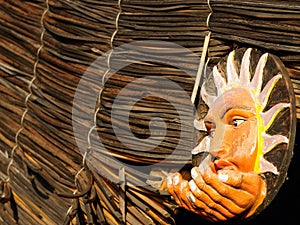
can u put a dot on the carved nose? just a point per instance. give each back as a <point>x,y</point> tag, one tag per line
<point>218,144</point>
<point>219,153</point>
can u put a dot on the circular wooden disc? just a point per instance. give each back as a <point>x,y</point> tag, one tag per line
<point>285,121</point>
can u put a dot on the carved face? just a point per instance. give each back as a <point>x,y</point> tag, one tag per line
<point>232,127</point>
<point>250,107</point>
<point>238,118</point>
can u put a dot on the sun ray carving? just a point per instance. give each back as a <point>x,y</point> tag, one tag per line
<point>265,119</point>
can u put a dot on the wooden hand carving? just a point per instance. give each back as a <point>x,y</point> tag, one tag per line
<point>218,196</point>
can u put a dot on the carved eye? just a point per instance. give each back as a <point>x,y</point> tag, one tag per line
<point>237,122</point>
<point>212,133</point>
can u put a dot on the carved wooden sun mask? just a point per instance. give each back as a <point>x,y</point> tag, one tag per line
<point>251,118</point>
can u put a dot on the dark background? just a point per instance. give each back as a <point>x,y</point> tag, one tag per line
<point>284,209</point>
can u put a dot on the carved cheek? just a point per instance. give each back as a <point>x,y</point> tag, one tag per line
<point>244,147</point>
<point>230,138</point>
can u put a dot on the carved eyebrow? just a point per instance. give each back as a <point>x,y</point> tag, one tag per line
<point>229,107</point>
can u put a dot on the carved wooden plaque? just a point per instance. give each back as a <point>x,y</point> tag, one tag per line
<point>250,131</point>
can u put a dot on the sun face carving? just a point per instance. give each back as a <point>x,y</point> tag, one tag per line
<point>234,82</point>
<point>249,125</point>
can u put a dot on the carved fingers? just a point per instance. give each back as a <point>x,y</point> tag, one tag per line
<point>218,196</point>
<point>247,190</point>
<point>185,197</point>
<point>178,187</point>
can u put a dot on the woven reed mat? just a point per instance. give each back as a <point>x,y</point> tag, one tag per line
<point>47,174</point>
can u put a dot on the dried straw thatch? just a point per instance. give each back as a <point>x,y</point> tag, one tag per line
<point>48,45</point>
